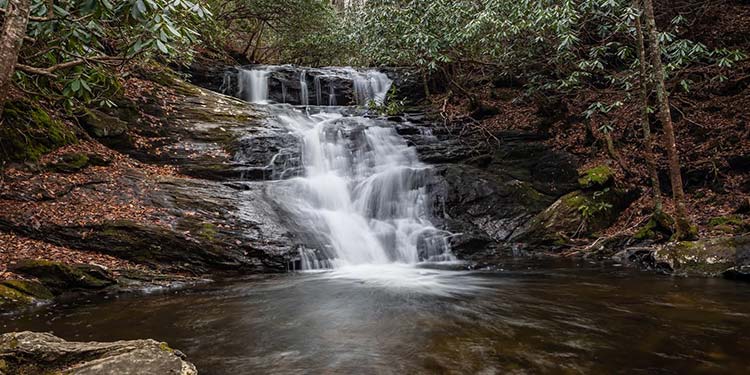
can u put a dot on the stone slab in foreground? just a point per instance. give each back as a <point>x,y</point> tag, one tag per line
<point>42,353</point>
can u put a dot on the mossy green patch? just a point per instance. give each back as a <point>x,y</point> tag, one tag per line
<point>10,297</point>
<point>165,348</point>
<point>60,277</point>
<point>658,223</point>
<point>599,176</point>
<point>28,132</point>
<point>729,220</point>
<point>70,163</point>
<point>31,288</point>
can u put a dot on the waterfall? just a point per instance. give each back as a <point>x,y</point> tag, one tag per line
<point>264,84</point>
<point>371,86</point>
<point>331,95</point>
<point>318,91</point>
<point>252,85</point>
<point>303,93</point>
<point>360,194</point>
<point>363,197</point>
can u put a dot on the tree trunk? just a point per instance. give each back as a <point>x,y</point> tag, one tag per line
<point>683,226</point>
<point>11,40</point>
<point>648,141</point>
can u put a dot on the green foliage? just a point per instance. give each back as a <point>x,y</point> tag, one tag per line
<point>392,106</point>
<point>303,32</point>
<point>554,44</point>
<point>80,44</point>
<point>598,204</point>
<point>596,177</point>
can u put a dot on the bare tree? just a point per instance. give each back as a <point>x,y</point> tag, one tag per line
<point>648,141</point>
<point>684,228</point>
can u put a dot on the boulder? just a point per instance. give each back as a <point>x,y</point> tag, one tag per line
<point>103,125</point>
<point>722,256</point>
<point>42,353</point>
<point>575,214</point>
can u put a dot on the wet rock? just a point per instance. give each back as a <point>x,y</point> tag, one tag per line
<point>722,256</point>
<point>481,207</point>
<point>18,293</point>
<point>59,277</point>
<point>42,353</point>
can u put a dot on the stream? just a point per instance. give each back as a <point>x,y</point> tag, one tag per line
<point>531,317</point>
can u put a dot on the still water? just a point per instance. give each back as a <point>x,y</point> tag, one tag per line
<point>522,318</point>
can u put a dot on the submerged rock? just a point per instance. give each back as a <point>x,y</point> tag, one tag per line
<point>42,353</point>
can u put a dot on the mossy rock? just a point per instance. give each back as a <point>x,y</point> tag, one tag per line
<point>28,132</point>
<point>11,298</point>
<point>659,225</point>
<point>575,214</point>
<point>70,163</point>
<point>60,277</point>
<point>598,177</point>
<point>721,256</point>
<point>31,288</point>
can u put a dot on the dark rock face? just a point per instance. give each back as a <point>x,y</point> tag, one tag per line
<point>58,277</point>
<point>484,192</point>
<point>43,353</point>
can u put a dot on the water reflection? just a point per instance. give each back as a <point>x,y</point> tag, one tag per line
<point>405,319</point>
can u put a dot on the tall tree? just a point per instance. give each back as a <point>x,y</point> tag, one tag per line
<point>648,141</point>
<point>11,40</point>
<point>684,228</point>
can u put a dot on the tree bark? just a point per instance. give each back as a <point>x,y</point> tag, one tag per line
<point>683,226</point>
<point>648,142</point>
<point>11,40</point>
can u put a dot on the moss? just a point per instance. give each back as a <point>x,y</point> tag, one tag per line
<point>31,288</point>
<point>70,163</point>
<point>207,231</point>
<point>599,176</point>
<point>658,223</point>
<point>165,348</point>
<point>10,297</point>
<point>730,220</point>
<point>29,132</point>
<point>60,277</point>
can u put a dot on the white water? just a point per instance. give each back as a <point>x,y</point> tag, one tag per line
<point>252,85</point>
<point>304,94</point>
<point>367,86</point>
<point>362,198</point>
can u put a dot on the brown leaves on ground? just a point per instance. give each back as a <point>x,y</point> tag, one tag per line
<point>38,197</point>
<point>93,195</point>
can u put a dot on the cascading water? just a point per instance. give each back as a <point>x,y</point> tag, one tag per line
<point>304,96</point>
<point>318,91</point>
<point>252,85</point>
<point>362,196</point>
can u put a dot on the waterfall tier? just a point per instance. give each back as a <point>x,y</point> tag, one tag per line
<point>307,86</point>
